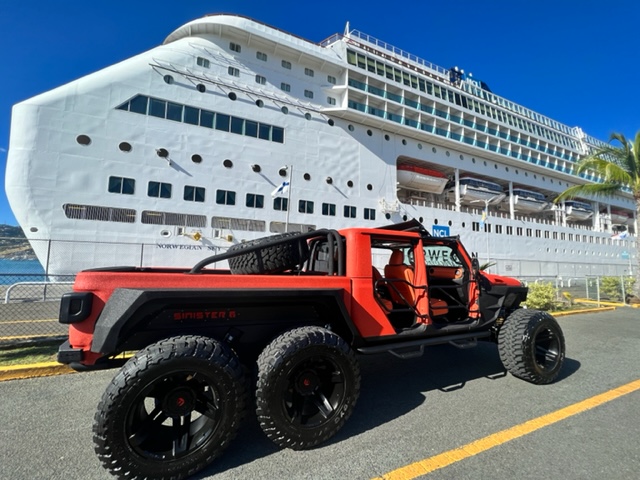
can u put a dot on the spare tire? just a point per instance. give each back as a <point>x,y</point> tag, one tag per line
<point>281,252</point>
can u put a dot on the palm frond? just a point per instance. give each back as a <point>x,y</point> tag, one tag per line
<point>587,190</point>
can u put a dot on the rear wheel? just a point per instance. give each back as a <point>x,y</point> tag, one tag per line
<point>531,346</point>
<point>171,410</point>
<point>308,384</point>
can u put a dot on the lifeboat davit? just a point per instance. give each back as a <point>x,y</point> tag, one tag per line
<point>421,179</point>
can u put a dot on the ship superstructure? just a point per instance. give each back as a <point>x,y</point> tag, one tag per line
<point>233,130</point>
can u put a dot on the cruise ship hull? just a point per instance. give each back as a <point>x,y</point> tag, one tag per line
<point>233,130</point>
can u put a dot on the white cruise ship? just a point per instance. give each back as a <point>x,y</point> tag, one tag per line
<point>233,129</point>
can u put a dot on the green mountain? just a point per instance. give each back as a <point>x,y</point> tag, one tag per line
<point>14,245</point>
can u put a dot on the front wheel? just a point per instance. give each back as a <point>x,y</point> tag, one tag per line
<point>171,410</point>
<point>531,346</point>
<point>308,384</point>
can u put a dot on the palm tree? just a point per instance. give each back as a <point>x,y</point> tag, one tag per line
<point>619,167</point>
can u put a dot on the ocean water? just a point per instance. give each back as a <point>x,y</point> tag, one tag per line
<point>13,271</point>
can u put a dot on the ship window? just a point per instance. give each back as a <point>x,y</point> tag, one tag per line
<point>349,211</point>
<point>102,214</point>
<point>264,131</point>
<point>174,112</point>
<point>369,214</point>
<point>308,72</point>
<point>159,190</point>
<point>191,115</point>
<point>277,134</point>
<point>284,110</point>
<point>125,186</point>
<point>157,108</point>
<point>225,197</point>
<point>138,104</point>
<point>228,163</point>
<point>195,158</point>
<point>233,71</point>
<point>168,79</point>
<point>206,118</point>
<point>259,103</point>
<point>125,147</point>
<point>308,94</point>
<point>305,206</point>
<point>254,200</point>
<point>233,96</point>
<point>261,80</point>
<point>280,203</point>
<point>286,64</point>
<point>222,122</point>
<point>201,88</point>
<point>238,224</point>
<point>234,47</point>
<point>251,129</point>
<point>307,177</point>
<point>261,56</point>
<point>349,184</point>
<point>498,229</point>
<point>509,230</point>
<point>329,209</point>
<point>83,140</point>
<point>237,125</point>
<point>546,234</point>
<point>331,79</point>
<point>285,87</point>
<point>177,219</point>
<point>519,231</point>
<point>475,226</point>
<point>193,194</point>
<point>203,62</point>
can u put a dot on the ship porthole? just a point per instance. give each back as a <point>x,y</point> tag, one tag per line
<point>435,221</point>
<point>434,150</point>
<point>125,147</point>
<point>349,184</point>
<point>331,122</point>
<point>404,218</point>
<point>387,138</point>
<point>232,96</point>
<point>451,223</point>
<point>369,132</point>
<point>351,128</point>
<point>33,229</point>
<point>168,79</point>
<point>165,233</point>
<point>387,216</point>
<point>307,177</point>
<point>461,157</point>
<point>195,158</point>
<point>259,103</point>
<point>282,172</point>
<point>227,163</point>
<point>83,140</point>
<point>307,116</point>
<point>201,88</point>
<point>284,110</point>
<point>369,187</point>
<point>463,225</point>
<point>404,141</point>
<point>419,146</point>
<point>421,219</point>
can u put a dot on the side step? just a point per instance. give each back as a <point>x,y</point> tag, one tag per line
<point>415,348</point>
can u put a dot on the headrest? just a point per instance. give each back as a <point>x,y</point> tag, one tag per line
<point>397,258</point>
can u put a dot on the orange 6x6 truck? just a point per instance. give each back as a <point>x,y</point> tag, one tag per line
<point>290,313</point>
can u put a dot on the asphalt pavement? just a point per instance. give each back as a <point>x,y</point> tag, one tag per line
<point>408,411</point>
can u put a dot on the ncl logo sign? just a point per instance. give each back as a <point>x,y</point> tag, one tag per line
<point>439,231</point>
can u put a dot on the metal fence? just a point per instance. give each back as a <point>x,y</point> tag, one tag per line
<point>30,292</point>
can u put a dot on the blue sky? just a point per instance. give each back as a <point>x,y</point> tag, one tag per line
<point>572,60</point>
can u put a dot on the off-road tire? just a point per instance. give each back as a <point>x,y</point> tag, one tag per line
<point>171,410</point>
<point>308,385</point>
<point>531,346</point>
<point>270,259</point>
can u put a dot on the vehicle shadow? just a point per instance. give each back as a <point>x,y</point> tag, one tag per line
<point>391,387</point>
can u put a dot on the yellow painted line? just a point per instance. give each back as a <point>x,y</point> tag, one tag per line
<point>601,302</point>
<point>44,369</point>
<point>586,310</point>
<point>445,459</point>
